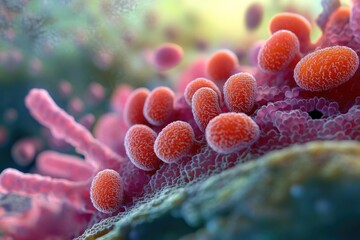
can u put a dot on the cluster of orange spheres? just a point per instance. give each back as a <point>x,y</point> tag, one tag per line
<point>220,104</point>
<point>147,149</point>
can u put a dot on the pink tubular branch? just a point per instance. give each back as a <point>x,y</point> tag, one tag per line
<point>65,166</point>
<point>11,180</point>
<point>63,126</point>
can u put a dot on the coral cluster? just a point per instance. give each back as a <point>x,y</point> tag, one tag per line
<point>295,91</point>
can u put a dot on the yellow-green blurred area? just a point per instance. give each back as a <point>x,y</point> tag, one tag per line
<point>110,41</point>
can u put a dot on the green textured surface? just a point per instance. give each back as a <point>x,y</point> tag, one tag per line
<point>303,192</point>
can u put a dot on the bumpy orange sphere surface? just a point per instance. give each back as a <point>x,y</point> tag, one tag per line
<point>174,141</point>
<point>139,146</point>
<point>106,191</point>
<point>230,132</point>
<point>326,68</point>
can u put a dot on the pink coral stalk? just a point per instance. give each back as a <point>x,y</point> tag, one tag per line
<point>76,193</point>
<point>64,166</point>
<point>63,126</point>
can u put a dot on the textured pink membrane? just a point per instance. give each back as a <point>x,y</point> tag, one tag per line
<point>281,124</point>
<point>289,122</point>
<point>338,30</point>
<point>355,20</point>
